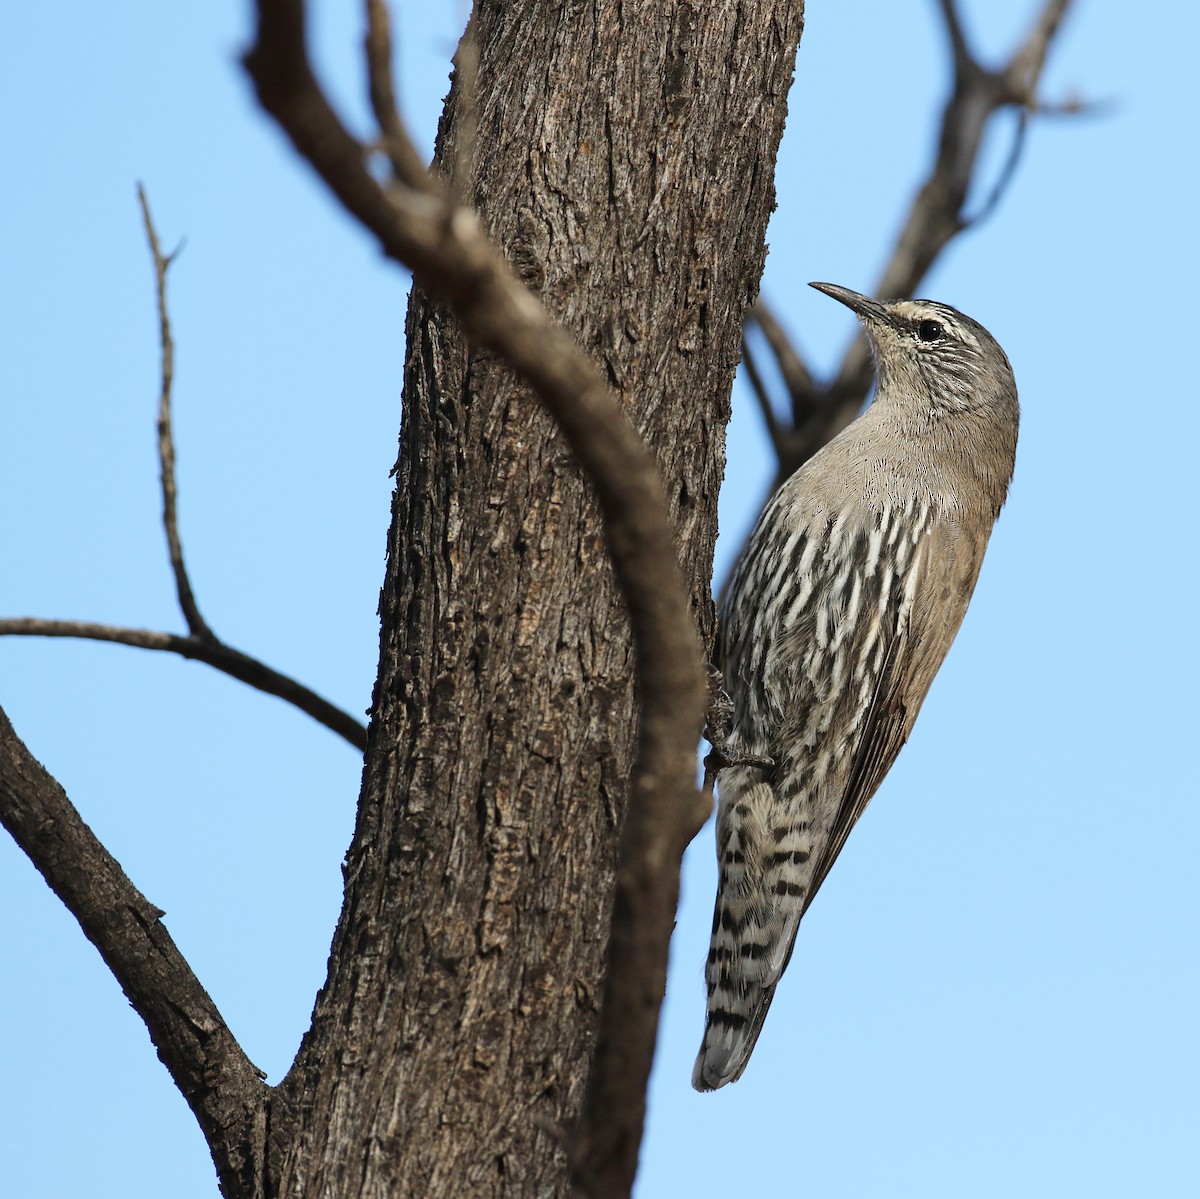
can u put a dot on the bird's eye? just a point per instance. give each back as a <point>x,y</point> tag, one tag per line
<point>930,330</point>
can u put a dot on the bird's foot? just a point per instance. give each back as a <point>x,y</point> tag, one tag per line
<point>722,755</point>
<point>718,719</point>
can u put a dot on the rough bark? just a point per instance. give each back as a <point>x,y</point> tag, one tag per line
<point>624,156</point>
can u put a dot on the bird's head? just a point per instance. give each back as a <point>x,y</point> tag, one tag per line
<point>932,356</point>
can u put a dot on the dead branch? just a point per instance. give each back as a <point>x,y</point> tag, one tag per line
<point>936,216</point>
<point>223,1088</point>
<point>937,212</point>
<point>208,650</point>
<point>201,644</point>
<point>453,262</point>
<point>166,442</point>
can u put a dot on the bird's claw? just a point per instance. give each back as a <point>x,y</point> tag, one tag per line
<point>717,723</point>
<point>721,756</point>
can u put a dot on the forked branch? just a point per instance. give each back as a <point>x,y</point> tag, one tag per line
<point>201,643</point>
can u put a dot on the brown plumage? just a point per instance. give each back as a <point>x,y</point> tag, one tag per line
<point>851,589</point>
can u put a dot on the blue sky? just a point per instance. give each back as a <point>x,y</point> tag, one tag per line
<point>995,993</point>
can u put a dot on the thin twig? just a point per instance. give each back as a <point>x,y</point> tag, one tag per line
<point>1004,178</point>
<point>220,1084</point>
<point>166,443</point>
<point>1072,106</point>
<point>208,650</point>
<point>937,211</point>
<point>454,263</point>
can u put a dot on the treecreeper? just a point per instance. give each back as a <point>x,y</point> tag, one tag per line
<point>843,605</point>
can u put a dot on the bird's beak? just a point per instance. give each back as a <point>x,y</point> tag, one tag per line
<point>862,306</point>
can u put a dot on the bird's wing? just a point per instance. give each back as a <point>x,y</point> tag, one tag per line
<point>927,611</point>
<point>885,730</point>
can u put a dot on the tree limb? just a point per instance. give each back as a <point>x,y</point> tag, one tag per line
<point>224,1090</point>
<point>209,650</point>
<point>202,643</point>
<point>453,262</point>
<point>978,94</point>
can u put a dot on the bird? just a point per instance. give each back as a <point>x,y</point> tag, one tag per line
<point>841,609</point>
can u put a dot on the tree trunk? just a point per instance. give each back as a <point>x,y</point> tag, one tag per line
<point>623,154</point>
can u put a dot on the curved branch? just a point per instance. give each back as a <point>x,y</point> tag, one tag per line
<point>453,262</point>
<point>1004,178</point>
<point>221,1085</point>
<point>213,653</point>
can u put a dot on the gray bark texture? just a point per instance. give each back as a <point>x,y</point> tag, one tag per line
<point>623,155</point>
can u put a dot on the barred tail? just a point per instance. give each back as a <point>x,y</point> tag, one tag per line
<point>730,1034</point>
<point>763,860</point>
